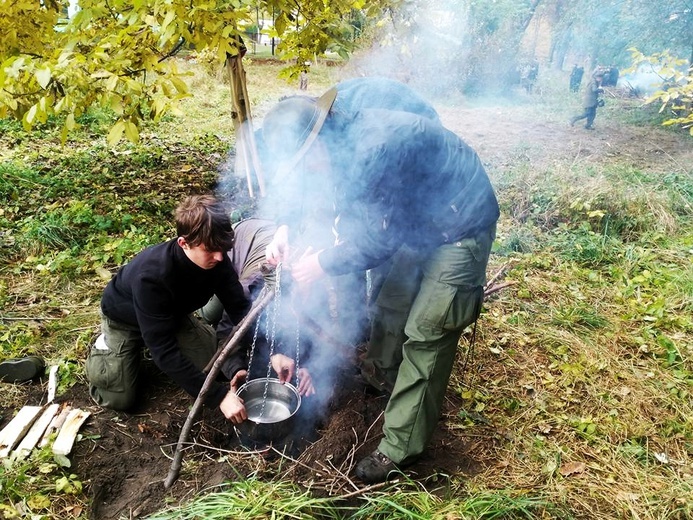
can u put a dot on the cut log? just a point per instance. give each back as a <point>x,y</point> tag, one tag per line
<point>17,428</point>
<point>32,438</point>
<point>55,424</point>
<point>66,437</point>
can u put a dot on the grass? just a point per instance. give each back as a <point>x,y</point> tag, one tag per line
<point>579,405</point>
<point>256,499</point>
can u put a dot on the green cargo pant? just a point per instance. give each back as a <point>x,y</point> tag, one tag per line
<point>423,306</point>
<point>113,367</point>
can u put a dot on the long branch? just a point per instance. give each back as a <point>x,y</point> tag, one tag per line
<point>243,327</point>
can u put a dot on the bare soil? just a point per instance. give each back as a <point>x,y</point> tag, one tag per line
<point>123,459</point>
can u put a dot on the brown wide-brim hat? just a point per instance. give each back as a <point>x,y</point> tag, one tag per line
<point>291,127</point>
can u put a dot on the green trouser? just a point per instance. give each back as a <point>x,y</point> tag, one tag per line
<point>113,367</point>
<point>422,308</point>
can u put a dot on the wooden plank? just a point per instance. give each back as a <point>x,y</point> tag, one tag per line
<point>66,437</point>
<point>17,427</point>
<point>32,438</point>
<point>55,424</point>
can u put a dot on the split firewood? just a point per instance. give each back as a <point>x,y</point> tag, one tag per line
<point>17,428</point>
<point>32,438</point>
<point>66,437</point>
<point>55,424</point>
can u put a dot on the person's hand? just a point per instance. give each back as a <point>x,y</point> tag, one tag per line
<point>233,408</point>
<point>284,366</point>
<point>305,383</point>
<point>238,379</point>
<point>307,269</point>
<point>278,249</point>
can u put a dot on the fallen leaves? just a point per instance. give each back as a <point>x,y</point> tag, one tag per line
<point>572,468</point>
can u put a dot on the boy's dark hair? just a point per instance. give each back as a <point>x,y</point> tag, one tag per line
<point>203,220</point>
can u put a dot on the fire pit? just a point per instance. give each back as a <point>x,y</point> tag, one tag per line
<point>271,408</point>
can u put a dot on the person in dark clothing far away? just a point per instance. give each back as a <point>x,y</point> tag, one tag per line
<point>149,305</point>
<point>576,78</point>
<point>409,197</point>
<point>590,101</point>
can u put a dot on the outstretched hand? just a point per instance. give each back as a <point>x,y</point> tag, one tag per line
<point>278,249</point>
<point>284,366</point>
<point>238,379</point>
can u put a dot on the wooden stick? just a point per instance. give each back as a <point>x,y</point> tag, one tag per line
<point>52,383</point>
<point>243,327</point>
<point>497,288</point>
<point>366,489</point>
<point>500,272</point>
<point>37,318</point>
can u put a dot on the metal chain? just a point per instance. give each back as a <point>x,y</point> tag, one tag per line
<point>273,332</point>
<point>255,332</point>
<point>298,344</point>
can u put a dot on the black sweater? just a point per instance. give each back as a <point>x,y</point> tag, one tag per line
<point>156,290</point>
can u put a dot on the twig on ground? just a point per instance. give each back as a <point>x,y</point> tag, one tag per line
<point>491,286</point>
<point>497,288</point>
<point>25,318</point>
<point>503,269</point>
<point>366,489</point>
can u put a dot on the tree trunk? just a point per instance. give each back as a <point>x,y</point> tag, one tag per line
<point>247,160</point>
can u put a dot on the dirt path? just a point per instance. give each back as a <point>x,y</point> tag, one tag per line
<point>499,134</point>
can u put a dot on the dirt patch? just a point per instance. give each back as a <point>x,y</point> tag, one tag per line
<point>123,459</point>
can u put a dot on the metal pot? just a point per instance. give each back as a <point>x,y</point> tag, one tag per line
<point>270,418</point>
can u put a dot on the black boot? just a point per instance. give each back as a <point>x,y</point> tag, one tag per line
<point>376,467</point>
<point>21,370</point>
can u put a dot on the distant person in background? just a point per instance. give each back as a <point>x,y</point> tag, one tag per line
<point>530,76</point>
<point>303,77</point>
<point>610,77</point>
<point>576,78</point>
<point>590,101</point>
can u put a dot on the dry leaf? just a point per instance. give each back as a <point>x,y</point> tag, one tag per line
<point>571,468</point>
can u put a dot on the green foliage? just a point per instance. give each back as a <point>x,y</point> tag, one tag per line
<point>35,482</point>
<point>17,338</point>
<point>578,316</point>
<point>584,246</point>
<point>676,95</point>
<point>115,55</point>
